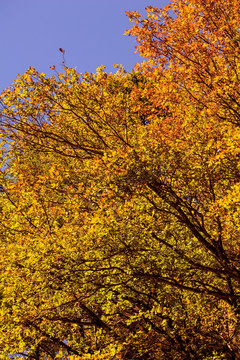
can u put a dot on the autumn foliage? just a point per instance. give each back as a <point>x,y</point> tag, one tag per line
<point>120,199</point>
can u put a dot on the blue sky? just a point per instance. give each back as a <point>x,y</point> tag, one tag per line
<point>90,31</point>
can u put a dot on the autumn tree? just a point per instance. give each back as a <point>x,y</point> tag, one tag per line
<point>119,199</point>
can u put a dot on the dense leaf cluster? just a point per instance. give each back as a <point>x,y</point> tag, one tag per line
<point>119,199</point>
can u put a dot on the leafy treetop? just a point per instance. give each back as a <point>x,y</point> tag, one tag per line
<point>119,199</point>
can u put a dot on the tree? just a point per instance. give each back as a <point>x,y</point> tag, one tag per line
<point>120,199</point>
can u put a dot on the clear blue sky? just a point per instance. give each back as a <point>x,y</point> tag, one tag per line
<point>90,31</point>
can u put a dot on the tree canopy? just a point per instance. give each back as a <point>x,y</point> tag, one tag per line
<point>119,199</point>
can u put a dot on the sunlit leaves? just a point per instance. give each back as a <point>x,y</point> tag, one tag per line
<point>119,199</point>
